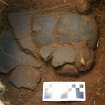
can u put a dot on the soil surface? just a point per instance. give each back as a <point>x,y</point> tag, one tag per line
<point>95,79</point>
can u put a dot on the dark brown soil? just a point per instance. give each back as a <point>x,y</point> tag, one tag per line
<point>95,79</point>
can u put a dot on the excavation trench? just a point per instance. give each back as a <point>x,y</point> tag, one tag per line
<point>59,40</point>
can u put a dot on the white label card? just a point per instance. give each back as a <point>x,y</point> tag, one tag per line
<point>64,91</point>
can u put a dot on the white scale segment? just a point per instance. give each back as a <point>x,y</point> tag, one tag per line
<point>64,91</point>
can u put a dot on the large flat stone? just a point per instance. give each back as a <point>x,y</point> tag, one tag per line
<point>62,56</point>
<point>73,28</point>
<point>21,23</point>
<point>43,27</point>
<point>11,55</point>
<point>25,77</point>
<point>64,28</point>
<point>8,49</point>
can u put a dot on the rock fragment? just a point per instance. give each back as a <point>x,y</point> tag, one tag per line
<point>68,69</point>
<point>2,89</point>
<point>83,6</point>
<point>2,103</point>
